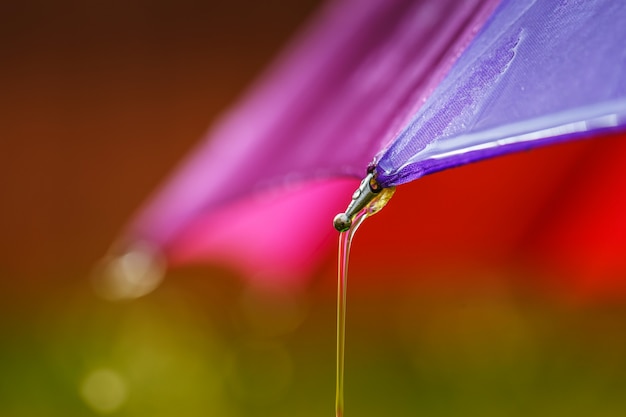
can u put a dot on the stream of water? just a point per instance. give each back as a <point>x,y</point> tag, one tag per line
<point>345,243</point>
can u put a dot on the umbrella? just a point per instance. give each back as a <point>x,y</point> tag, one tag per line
<point>393,90</point>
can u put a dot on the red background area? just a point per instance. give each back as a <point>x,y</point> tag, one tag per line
<point>555,214</point>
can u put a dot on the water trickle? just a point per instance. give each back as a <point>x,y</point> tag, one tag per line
<point>345,242</point>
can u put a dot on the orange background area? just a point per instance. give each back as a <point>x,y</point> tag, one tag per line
<point>99,102</point>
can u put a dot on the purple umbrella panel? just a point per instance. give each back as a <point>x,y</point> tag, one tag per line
<point>539,72</point>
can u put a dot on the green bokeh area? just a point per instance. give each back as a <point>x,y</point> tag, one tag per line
<point>204,344</point>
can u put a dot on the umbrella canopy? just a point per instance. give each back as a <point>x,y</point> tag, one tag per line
<point>416,87</point>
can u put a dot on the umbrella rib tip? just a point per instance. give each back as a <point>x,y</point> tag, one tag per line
<point>367,191</point>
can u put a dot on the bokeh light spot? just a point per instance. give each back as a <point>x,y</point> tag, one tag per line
<point>104,390</point>
<point>133,274</point>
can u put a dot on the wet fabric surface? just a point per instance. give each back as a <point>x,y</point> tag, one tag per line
<point>539,72</point>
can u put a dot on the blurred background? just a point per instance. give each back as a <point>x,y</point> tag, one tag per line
<point>493,289</point>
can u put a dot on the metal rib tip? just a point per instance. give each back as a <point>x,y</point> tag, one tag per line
<point>363,195</point>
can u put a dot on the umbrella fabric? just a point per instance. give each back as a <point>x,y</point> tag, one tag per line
<point>341,91</point>
<point>538,73</point>
<point>371,75</point>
